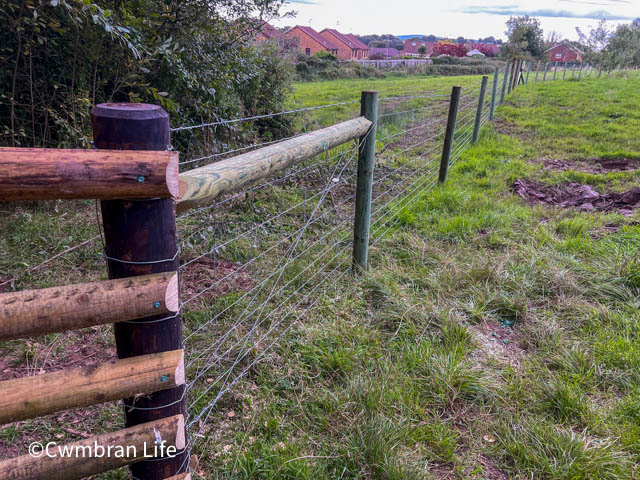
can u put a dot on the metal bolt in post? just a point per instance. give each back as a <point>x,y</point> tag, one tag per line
<point>450,134</point>
<point>494,94</point>
<point>140,239</point>
<point>504,83</point>
<point>366,158</point>
<point>483,90</point>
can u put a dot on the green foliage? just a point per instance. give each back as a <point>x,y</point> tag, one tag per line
<point>525,38</point>
<point>196,59</point>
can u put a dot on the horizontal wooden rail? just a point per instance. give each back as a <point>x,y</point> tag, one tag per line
<point>83,459</point>
<point>57,309</point>
<point>30,397</point>
<point>48,174</point>
<point>202,185</point>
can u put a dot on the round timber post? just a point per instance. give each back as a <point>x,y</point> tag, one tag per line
<point>140,239</point>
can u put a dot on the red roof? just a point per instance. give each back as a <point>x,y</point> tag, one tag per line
<point>567,45</point>
<point>316,36</point>
<point>270,32</point>
<point>349,40</point>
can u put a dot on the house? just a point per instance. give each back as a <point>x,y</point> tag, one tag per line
<point>266,32</point>
<point>412,48</point>
<point>475,53</point>
<point>564,52</point>
<point>349,47</point>
<point>310,41</point>
<point>384,53</point>
<point>487,49</point>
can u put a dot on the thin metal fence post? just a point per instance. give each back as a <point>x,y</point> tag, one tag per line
<point>483,90</point>
<point>528,72</point>
<point>494,94</point>
<point>450,134</point>
<point>364,188</point>
<point>504,82</point>
<point>140,238</point>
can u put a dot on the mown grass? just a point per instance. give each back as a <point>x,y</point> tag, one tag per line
<point>490,339</point>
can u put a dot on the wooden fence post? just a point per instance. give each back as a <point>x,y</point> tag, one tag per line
<point>537,70</point>
<point>564,71</point>
<point>140,239</point>
<point>513,72</point>
<point>580,72</point>
<point>504,83</point>
<point>494,93</point>
<point>546,69</point>
<point>450,134</point>
<point>555,71</point>
<point>366,158</point>
<point>529,65</point>
<point>483,90</point>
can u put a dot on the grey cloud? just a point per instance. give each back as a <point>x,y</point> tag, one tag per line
<point>545,12</point>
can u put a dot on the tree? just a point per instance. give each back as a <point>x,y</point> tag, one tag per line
<point>594,43</point>
<point>451,49</point>
<point>622,48</point>
<point>460,40</point>
<point>422,50</point>
<point>525,38</point>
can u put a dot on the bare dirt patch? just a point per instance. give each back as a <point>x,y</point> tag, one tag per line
<point>595,165</point>
<point>207,277</point>
<point>497,342</point>
<point>576,195</point>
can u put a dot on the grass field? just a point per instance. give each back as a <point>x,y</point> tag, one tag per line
<point>490,340</point>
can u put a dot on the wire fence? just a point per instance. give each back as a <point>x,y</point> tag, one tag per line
<point>256,262</point>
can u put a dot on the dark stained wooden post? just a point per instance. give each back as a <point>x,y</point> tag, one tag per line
<point>450,134</point>
<point>366,158</point>
<point>140,239</point>
<point>494,93</point>
<point>476,126</point>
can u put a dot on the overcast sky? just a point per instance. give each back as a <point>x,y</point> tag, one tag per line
<point>453,18</point>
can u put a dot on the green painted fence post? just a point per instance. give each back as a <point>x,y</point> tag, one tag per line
<point>494,93</point>
<point>537,70</point>
<point>528,72</point>
<point>546,69</point>
<point>450,134</point>
<point>483,91</point>
<point>366,158</point>
<point>504,83</point>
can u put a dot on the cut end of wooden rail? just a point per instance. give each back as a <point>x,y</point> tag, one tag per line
<point>172,295</point>
<point>173,172</point>
<point>181,434</point>
<point>180,375</point>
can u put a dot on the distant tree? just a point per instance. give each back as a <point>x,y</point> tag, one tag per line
<point>451,49</point>
<point>525,38</point>
<point>460,40</point>
<point>553,38</point>
<point>488,40</point>
<point>623,47</point>
<point>431,38</point>
<point>486,50</point>
<point>594,42</point>
<point>422,50</point>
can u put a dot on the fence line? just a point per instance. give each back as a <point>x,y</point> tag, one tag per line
<point>270,235</point>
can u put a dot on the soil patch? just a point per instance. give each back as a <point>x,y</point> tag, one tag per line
<point>576,195</point>
<point>596,165</point>
<point>498,342</point>
<point>209,277</point>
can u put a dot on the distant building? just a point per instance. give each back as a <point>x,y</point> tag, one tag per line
<point>564,52</point>
<point>349,47</point>
<point>310,41</point>
<point>385,53</point>
<point>475,52</point>
<point>266,32</point>
<point>487,49</point>
<point>412,48</point>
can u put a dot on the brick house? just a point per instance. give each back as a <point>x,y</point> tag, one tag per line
<point>412,48</point>
<point>266,32</point>
<point>349,47</point>
<point>564,52</point>
<point>385,53</point>
<point>310,41</point>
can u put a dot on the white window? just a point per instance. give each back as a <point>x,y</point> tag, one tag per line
<point>558,55</point>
